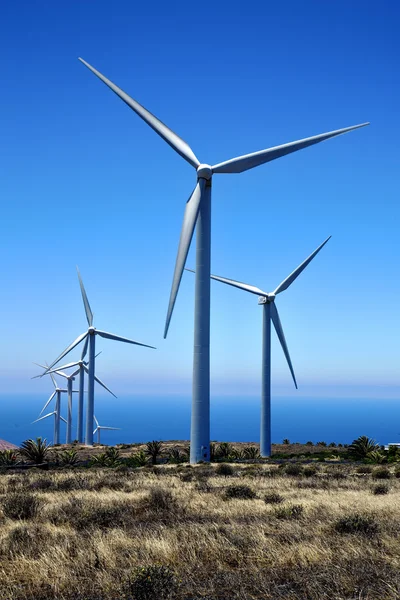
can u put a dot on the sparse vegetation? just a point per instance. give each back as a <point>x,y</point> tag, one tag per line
<point>8,457</point>
<point>381,473</point>
<point>36,451</point>
<point>154,450</point>
<point>196,532</point>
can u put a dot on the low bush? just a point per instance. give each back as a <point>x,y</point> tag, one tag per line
<point>381,473</point>
<point>364,469</point>
<point>310,470</point>
<point>244,492</point>
<point>20,505</point>
<point>293,469</point>
<point>290,511</point>
<point>357,524</point>
<point>28,540</point>
<point>225,469</point>
<point>68,458</point>
<point>154,582</point>
<point>160,499</point>
<point>380,489</point>
<point>8,458</point>
<point>137,459</point>
<point>273,498</point>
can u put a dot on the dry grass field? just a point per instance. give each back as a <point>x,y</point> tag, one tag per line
<point>219,531</point>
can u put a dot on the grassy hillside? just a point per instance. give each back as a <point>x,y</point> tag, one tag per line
<point>222,531</point>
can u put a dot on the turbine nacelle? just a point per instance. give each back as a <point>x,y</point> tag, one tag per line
<point>204,172</point>
<point>266,299</point>
<point>91,330</point>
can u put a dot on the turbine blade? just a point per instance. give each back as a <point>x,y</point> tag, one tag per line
<point>95,431</point>
<point>53,380</point>
<point>289,280</point>
<point>177,143</point>
<point>189,223</point>
<point>62,419</point>
<point>98,354</point>
<point>88,310</point>
<point>75,372</point>
<point>95,420</point>
<point>47,403</point>
<point>118,338</point>
<point>45,417</point>
<point>66,351</point>
<point>84,349</point>
<point>249,161</point>
<point>67,366</point>
<point>279,332</point>
<point>114,428</point>
<point>104,386</point>
<point>60,373</point>
<point>238,284</point>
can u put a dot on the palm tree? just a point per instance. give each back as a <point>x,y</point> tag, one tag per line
<point>361,447</point>
<point>154,449</point>
<point>36,451</point>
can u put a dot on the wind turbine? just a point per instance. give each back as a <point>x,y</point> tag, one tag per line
<point>57,416</point>
<point>198,211</point>
<point>81,370</point>
<point>270,313</point>
<point>100,427</point>
<point>90,337</point>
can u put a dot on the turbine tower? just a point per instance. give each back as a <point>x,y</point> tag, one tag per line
<point>57,416</point>
<point>198,211</point>
<point>100,427</point>
<point>270,313</point>
<point>90,336</point>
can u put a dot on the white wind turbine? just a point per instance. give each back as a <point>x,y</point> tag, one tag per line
<point>198,211</point>
<point>57,411</point>
<point>100,427</point>
<point>82,364</point>
<point>270,313</point>
<point>89,336</point>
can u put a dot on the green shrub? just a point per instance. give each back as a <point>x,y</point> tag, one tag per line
<point>397,472</point>
<point>68,457</point>
<point>286,442</point>
<point>153,450</point>
<point>252,453</point>
<point>361,447</point>
<point>155,582</point>
<point>21,505</point>
<point>324,444</point>
<point>244,492</point>
<point>137,459</point>
<point>293,469</point>
<point>110,458</point>
<point>309,443</point>
<point>36,451</point>
<point>273,498</point>
<point>381,473</point>
<point>290,511</point>
<point>380,489</point>
<point>357,524</point>
<point>224,469</point>
<point>224,451</point>
<point>176,456</point>
<point>8,457</point>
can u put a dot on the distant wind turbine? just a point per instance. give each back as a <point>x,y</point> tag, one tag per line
<point>270,312</point>
<point>100,427</point>
<point>89,338</point>
<point>57,415</point>
<point>198,210</point>
<point>81,370</point>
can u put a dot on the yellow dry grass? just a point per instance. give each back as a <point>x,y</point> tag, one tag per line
<point>94,527</point>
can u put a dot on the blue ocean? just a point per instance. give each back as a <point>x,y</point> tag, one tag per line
<point>145,418</point>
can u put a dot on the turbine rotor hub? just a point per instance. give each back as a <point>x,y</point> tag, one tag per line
<point>91,330</point>
<point>266,299</point>
<point>204,172</point>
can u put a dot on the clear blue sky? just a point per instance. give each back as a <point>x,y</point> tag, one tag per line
<point>84,181</point>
